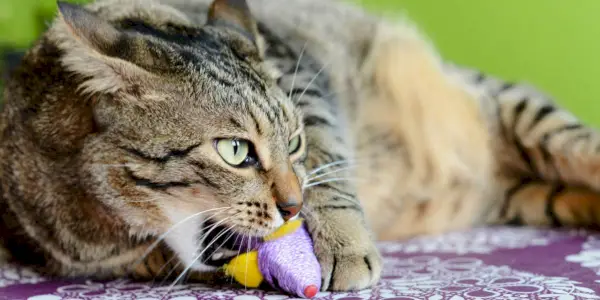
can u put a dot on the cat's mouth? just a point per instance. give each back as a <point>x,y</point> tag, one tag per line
<point>220,243</point>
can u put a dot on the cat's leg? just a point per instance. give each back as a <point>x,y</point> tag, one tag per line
<point>402,87</point>
<point>548,159</point>
<point>540,203</point>
<point>427,145</point>
<point>157,263</point>
<point>343,242</point>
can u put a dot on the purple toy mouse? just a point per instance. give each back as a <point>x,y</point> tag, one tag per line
<point>285,259</point>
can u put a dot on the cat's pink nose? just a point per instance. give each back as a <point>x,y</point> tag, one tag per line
<point>289,209</point>
<point>286,191</point>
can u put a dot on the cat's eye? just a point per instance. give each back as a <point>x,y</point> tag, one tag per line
<point>294,144</point>
<point>236,152</point>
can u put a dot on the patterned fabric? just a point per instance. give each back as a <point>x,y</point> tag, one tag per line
<point>486,263</point>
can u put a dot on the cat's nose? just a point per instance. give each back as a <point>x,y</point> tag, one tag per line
<point>289,209</point>
<point>286,192</point>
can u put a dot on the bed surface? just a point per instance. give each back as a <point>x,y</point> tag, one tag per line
<point>485,263</point>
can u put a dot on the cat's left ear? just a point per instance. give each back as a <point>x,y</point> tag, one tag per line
<point>236,15</point>
<point>98,52</point>
<point>97,34</point>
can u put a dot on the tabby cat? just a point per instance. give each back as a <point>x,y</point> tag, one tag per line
<point>153,138</point>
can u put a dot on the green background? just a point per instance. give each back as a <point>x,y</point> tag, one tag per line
<point>553,44</point>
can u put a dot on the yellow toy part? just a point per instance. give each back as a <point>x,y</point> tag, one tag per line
<point>285,229</point>
<point>244,269</point>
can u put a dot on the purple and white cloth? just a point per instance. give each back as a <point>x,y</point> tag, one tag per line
<point>486,263</point>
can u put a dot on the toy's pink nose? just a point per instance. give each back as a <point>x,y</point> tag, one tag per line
<point>311,291</point>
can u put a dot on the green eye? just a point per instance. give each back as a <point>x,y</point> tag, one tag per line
<point>233,151</point>
<point>294,144</point>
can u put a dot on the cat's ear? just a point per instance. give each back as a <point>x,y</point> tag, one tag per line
<point>91,30</point>
<point>96,50</point>
<point>233,14</point>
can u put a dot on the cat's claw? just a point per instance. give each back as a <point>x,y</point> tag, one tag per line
<point>352,267</point>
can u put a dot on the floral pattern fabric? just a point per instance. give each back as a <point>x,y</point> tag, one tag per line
<point>484,263</point>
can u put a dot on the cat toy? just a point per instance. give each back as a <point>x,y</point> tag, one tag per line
<point>285,259</point>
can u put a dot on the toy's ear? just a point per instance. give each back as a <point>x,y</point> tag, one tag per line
<point>285,229</point>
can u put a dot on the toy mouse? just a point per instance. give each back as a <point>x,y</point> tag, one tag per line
<point>285,259</point>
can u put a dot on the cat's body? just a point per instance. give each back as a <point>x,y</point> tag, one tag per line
<point>112,131</point>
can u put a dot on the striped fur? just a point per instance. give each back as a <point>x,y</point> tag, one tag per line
<point>545,154</point>
<point>108,157</point>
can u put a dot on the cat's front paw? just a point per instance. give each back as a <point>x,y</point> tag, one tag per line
<point>349,260</point>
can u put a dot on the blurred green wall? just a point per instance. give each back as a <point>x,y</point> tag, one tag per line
<point>550,43</point>
<point>553,44</point>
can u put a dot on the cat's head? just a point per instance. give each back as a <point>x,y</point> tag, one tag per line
<point>190,122</point>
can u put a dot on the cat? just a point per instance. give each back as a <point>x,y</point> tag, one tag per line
<point>151,138</point>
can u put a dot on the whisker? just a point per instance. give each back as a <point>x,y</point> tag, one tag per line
<point>330,172</point>
<point>356,161</point>
<point>213,227</point>
<point>238,254</point>
<point>210,228</point>
<point>164,235</point>
<point>328,165</point>
<point>187,269</point>
<point>313,80</point>
<point>235,242</point>
<point>222,244</point>
<point>296,70</point>
<point>332,180</point>
<point>246,271</point>
<point>173,269</point>
<point>164,266</point>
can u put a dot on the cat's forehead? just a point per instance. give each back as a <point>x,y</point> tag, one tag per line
<point>172,126</point>
<point>188,110</point>
<point>269,115</point>
<point>206,82</point>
